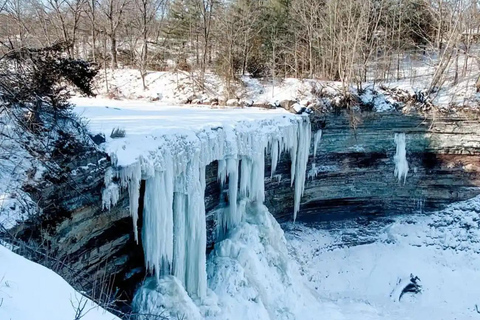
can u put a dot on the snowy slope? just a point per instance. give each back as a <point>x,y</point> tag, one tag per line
<point>416,73</point>
<point>29,291</point>
<point>168,87</point>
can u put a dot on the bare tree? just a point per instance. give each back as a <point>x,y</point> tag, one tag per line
<point>113,11</point>
<point>147,10</point>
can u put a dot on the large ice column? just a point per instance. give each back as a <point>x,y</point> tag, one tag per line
<point>400,158</point>
<point>275,154</point>
<point>180,204</point>
<point>158,223</point>
<point>196,233</point>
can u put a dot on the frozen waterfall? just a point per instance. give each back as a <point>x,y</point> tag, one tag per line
<point>174,230</point>
<point>400,158</point>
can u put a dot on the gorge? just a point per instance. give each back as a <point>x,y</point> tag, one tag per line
<point>391,164</point>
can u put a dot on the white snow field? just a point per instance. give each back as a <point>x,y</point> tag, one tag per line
<point>29,291</point>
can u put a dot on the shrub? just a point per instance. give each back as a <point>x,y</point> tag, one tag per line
<point>117,133</point>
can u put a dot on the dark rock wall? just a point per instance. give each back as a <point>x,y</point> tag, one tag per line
<point>355,169</point>
<point>355,177</point>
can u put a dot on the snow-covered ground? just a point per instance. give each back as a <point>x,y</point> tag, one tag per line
<point>417,69</point>
<point>169,87</point>
<point>361,263</point>
<point>29,291</point>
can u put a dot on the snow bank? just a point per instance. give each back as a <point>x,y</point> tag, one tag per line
<point>29,291</point>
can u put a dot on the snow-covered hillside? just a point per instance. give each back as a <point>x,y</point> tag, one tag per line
<point>29,291</point>
<point>178,87</point>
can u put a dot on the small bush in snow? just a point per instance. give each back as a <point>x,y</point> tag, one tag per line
<point>117,133</point>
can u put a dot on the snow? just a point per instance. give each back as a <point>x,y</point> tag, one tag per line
<point>30,291</point>
<point>167,87</point>
<point>380,102</point>
<point>363,263</point>
<point>400,158</point>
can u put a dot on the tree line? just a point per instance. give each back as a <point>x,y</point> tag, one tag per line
<point>323,39</point>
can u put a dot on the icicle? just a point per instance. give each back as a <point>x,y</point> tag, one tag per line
<point>257,176</point>
<point>130,176</point>
<point>229,217</point>
<point>400,158</point>
<point>222,172</point>
<point>232,168</point>
<point>134,194</point>
<point>293,155</point>
<point>246,169</point>
<point>274,153</point>
<point>316,142</point>
<point>304,139</point>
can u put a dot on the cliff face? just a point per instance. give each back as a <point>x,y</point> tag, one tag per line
<point>354,176</point>
<point>355,169</point>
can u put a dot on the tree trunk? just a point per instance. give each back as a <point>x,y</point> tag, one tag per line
<point>113,51</point>
<point>94,34</point>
